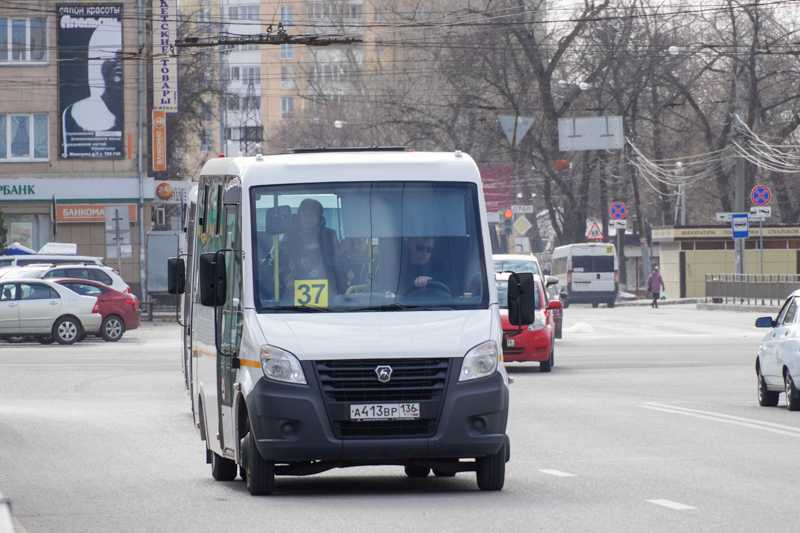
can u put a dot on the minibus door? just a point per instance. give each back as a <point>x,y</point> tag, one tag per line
<point>230,328</point>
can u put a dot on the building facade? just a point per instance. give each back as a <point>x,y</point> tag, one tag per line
<point>68,125</point>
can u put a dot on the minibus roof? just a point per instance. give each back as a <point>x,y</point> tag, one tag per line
<point>346,166</point>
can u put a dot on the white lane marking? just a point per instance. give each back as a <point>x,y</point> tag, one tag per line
<point>669,504</point>
<point>556,473</point>
<point>780,429</point>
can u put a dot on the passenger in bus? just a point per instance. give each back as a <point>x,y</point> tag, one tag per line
<point>310,248</point>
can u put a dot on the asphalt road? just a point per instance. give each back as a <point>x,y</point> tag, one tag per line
<point>648,423</point>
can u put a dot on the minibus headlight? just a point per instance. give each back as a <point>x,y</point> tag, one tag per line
<point>280,365</point>
<point>480,361</point>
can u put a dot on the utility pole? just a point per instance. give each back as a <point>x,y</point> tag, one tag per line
<point>249,119</point>
<point>739,207</point>
<point>141,101</point>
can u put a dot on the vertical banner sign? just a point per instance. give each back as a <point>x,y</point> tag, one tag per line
<point>90,81</point>
<point>165,64</point>
<point>159,141</point>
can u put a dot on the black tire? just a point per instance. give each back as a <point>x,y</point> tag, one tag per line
<point>559,329</point>
<point>259,474</point>
<point>112,328</point>
<point>792,394</point>
<point>595,305</point>
<point>417,472</point>
<point>766,397</point>
<point>222,469</point>
<point>547,366</point>
<point>564,303</point>
<point>443,473</point>
<point>67,330</point>
<point>491,473</point>
<point>48,339</point>
<point>611,305</point>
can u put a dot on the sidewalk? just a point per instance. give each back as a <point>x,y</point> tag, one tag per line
<point>647,302</point>
<point>751,308</point>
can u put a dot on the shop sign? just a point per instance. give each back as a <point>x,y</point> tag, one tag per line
<point>159,136</point>
<point>173,192</point>
<point>87,189</point>
<point>87,213</point>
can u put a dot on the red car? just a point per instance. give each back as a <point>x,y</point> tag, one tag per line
<point>120,311</point>
<point>535,342</point>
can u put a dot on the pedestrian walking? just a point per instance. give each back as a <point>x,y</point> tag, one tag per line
<point>655,284</point>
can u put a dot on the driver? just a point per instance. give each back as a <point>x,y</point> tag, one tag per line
<point>418,272</point>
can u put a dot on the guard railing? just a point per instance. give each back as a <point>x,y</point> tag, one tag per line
<point>751,289</point>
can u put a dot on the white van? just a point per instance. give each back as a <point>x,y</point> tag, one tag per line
<point>587,273</point>
<point>341,313</point>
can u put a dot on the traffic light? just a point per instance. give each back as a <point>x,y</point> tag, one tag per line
<point>508,218</point>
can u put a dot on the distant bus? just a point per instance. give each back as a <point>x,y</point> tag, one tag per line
<point>587,273</point>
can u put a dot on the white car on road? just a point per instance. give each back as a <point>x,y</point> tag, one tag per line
<point>778,358</point>
<point>103,274</point>
<point>45,310</point>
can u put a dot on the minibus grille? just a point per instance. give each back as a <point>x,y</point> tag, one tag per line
<point>356,381</point>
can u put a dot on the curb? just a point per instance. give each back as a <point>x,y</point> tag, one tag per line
<point>647,303</point>
<point>769,309</point>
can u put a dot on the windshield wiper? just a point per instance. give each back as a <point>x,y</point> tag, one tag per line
<point>401,307</point>
<point>293,309</point>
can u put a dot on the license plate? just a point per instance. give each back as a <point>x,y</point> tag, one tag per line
<point>510,342</point>
<point>384,411</point>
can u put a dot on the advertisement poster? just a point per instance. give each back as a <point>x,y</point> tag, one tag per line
<point>90,81</point>
<point>165,60</point>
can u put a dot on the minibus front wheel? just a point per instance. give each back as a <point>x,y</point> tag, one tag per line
<point>491,470</point>
<point>259,474</point>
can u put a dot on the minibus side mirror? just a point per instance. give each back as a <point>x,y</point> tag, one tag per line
<point>765,322</point>
<point>549,280</point>
<point>212,279</point>
<point>520,299</point>
<point>176,275</point>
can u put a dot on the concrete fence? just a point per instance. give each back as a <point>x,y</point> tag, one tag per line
<point>755,289</point>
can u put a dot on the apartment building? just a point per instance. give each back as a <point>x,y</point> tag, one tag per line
<point>68,124</point>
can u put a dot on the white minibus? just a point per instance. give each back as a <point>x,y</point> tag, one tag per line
<point>587,273</point>
<point>340,312</point>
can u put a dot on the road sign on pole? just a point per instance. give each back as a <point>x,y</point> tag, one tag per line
<point>617,211</point>
<point>118,233</point>
<point>740,227</point>
<point>760,195</point>
<point>522,225</point>
<point>618,223</point>
<point>594,233</point>
<point>590,133</point>
<point>515,127</point>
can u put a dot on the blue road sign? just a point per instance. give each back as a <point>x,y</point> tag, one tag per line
<point>617,210</point>
<point>740,227</point>
<point>760,195</point>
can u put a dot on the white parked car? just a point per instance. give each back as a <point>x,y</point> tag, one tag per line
<point>778,357</point>
<point>45,310</point>
<point>103,274</point>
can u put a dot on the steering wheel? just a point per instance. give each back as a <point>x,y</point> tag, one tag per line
<point>429,290</point>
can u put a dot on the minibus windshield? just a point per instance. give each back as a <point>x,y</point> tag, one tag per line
<point>367,246</point>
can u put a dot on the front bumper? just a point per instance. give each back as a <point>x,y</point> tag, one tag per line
<point>291,424</point>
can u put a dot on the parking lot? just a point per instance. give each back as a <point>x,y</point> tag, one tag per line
<point>648,422</point>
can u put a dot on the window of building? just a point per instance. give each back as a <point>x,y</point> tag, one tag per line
<point>234,73</point>
<point>354,11</point>
<point>287,52</point>
<point>205,140</point>
<point>286,15</point>
<point>287,106</point>
<point>315,10</point>
<point>233,12</point>
<point>23,40</point>
<point>233,102</point>
<point>250,12</point>
<point>24,136</point>
<point>251,73</point>
<point>251,102</point>
<point>286,77</point>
